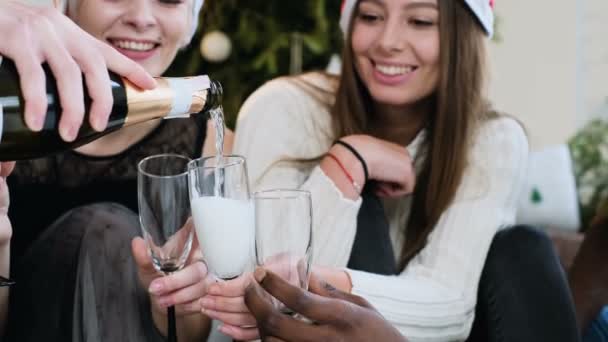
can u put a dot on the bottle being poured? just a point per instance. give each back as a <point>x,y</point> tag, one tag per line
<point>172,98</point>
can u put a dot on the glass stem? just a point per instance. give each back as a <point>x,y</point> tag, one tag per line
<point>172,333</point>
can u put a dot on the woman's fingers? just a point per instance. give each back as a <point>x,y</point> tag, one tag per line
<point>6,168</point>
<point>37,35</point>
<point>193,274</point>
<point>192,308</point>
<point>225,304</point>
<point>185,295</point>
<point>68,77</point>
<point>309,305</point>
<point>243,334</point>
<point>272,322</point>
<point>231,288</point>
<point>236,319</point>
<point>125,67</point>
<point>393,190</point>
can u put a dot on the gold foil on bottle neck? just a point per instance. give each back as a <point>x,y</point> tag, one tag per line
<point>144,105</point>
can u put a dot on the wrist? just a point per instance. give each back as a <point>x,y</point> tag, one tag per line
<point>351,163</point>
<point>358,146</point>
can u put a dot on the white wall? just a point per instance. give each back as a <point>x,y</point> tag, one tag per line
<point>534,67</point>
<point>593,64</point>
<point>551,67</point>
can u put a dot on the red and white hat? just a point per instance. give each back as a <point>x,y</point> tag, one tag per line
<point>483,10</point>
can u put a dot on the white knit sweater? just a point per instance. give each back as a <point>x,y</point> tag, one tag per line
<point>433,299</point>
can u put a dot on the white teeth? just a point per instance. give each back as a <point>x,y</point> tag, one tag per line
<point>392,70</point>
<point>135,46</point>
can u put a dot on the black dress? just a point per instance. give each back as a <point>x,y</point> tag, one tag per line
<point>74,217</point>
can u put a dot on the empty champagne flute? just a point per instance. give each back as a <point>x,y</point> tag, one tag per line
<point>223,214</point>
<point>165,216</point>
<point>283,236</point>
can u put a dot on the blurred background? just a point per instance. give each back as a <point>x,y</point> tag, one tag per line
<point>548,67</point>
<point>549,60</point>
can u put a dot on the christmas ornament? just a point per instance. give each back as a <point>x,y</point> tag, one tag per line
<point>216,46</point>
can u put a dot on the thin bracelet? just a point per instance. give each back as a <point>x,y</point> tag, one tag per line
<point>350,178</point>
<point>5,282</point>
<point>357,155</point>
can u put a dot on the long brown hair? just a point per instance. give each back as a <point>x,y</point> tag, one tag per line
<point>458,109</point>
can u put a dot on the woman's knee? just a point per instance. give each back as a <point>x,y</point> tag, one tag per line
<point>522,247</point>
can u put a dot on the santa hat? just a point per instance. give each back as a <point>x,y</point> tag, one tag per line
<point>483,10</point>
<point>196,9</point>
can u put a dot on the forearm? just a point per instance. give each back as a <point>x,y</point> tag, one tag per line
<point>194,327</point>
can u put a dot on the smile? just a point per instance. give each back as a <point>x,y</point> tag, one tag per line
<point>393,70</point>
<point>132,45</point>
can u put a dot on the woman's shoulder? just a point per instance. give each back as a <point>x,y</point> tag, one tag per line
<point>304,87</point>
<point>500,132</point>
<point>305,97</point>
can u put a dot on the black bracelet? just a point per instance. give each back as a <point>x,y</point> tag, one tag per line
<point>5,282</point>
<point>357,155</point>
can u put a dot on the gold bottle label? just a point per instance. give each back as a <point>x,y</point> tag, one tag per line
<point>144,105</point>
<point>172,98</point>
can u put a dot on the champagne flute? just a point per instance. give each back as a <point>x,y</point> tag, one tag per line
<point>223,214</point>
<point>283,236</point>
<point>165,217</point>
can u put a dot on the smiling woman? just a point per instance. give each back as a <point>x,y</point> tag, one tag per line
<point>74,213</point>
<point>137,29</point>
<point>410,103</point>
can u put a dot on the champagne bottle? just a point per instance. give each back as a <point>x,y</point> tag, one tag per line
<point>172,98</point>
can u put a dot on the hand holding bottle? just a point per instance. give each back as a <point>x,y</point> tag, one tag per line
<point>37,35</point>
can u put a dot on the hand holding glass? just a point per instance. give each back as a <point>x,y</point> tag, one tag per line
<point>283,235</point>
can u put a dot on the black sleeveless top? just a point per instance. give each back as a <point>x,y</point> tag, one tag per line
<point>43,189</point>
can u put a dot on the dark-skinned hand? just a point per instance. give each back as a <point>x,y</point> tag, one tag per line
<point>335,315</point>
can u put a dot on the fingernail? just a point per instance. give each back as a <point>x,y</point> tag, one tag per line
<point>259,274</point>
<point>73,132</point>
<point>155,288</point>
<point>99,124</point>
<point>37,123</point>
<point>68,132</point>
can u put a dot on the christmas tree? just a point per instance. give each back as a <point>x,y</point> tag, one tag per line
<point>246,43</point>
